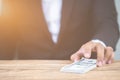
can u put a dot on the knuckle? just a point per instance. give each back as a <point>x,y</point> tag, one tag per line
<point>86,44</point>
<point>109,48</point>
<point>99,44</point>
<point>113,54</point>
<point>83,46</point>
<point>72,56</point>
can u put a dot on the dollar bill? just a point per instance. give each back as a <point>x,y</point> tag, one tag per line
<point>82,66</point>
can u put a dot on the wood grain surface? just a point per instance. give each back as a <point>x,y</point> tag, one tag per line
<point>50,70</point>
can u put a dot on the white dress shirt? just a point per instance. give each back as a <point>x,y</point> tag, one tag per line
<point>52,11</point>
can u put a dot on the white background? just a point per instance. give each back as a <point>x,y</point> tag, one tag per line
<point>117,52</point>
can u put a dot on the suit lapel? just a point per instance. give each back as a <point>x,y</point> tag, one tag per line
<point>43,21</point>
<point>66,11</point>
<point>67,8</point>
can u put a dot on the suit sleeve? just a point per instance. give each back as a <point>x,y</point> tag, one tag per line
<point>105,22</point>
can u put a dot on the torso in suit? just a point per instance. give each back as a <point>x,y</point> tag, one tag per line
<point>82,21</point>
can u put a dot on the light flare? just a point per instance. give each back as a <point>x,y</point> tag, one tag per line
<point>0,7</point>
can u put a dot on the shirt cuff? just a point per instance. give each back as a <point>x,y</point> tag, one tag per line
<point>99,41</point>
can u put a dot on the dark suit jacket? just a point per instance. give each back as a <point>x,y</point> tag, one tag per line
<point>82,21</point>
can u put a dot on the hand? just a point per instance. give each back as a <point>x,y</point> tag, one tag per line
<point>105,55</point>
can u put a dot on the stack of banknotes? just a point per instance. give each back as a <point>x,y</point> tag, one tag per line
<point>82,66</point>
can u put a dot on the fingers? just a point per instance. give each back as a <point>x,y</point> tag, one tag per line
<point>100,50</point>
<point>109,55</point>
<point>87,49</point>
<point>84,51</point>
<point>76,56</point>
<point>105,55</point>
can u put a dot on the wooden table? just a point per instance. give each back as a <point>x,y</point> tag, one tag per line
<point>50,70</point>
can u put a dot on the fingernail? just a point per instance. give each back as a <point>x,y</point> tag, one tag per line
<point>109,62</point>
<point>82,50</point>
<point>76,60</point>
<point>104,62</point>
<point>99,63</point>
<point>87,55</point>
